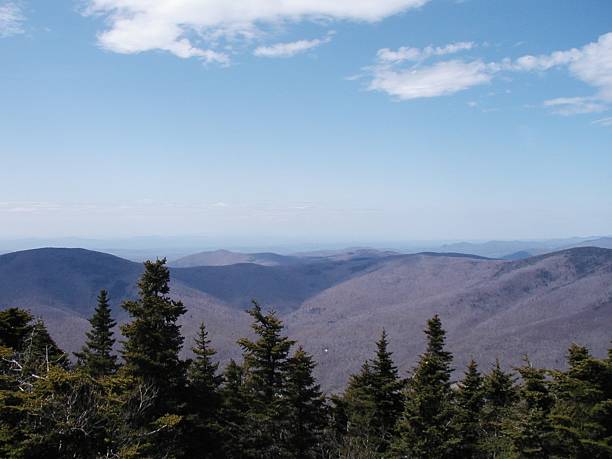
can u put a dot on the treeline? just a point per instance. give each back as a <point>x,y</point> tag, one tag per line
<point>152,404</point>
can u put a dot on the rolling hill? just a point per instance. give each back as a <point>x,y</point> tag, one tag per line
<point>337,307</point>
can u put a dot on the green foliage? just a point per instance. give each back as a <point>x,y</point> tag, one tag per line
<point>153,338</point>
<point>469,404</point>
<point>582,416</point>
<point>529,427</point>
<point>204,399</point>
<point>266,364</point>
<point>156,405</point>
<point>500,395</point>
<point>306,417</point>
<point>425,427</point>
<point>372,403</point>
<point>96,357</point>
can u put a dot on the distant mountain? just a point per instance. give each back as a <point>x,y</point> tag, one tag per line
<point>225,257</point>
<point>602,242</point>
<point>337,307</point>
<point>511,250</point>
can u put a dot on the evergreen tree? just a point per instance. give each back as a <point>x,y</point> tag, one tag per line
<point>153,338</point>
<point>425,427</point>
<point>151,354</point>
<point>582,416</point>
<point>204,402</point>
<point>306,416</point>
<point>386,392</point>
<point>354,415</point>
<point>96,357</point>
<point>469,402</point>
<point>500,394</point>
<point>233,415</point>
<point>15,326</point>
<point>372,403</point>
<point>40,351</point>
<point>531,429</point>
<point>265,362</point>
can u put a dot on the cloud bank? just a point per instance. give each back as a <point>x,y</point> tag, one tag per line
<point>196,28</point>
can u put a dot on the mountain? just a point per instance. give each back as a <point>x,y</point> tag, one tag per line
<point>225,257</point>
<point>337,307</point>
<point>514,250</point>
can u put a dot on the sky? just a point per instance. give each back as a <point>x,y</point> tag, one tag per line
<point>309,120</point>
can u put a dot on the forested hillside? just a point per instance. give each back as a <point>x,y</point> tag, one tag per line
<point>149,402</point>
<point>336,305</point>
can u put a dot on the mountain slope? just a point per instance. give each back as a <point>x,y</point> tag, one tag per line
<point>337,308</point>
<point>490,308</point>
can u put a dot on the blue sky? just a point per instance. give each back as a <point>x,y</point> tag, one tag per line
<point>311,120</point>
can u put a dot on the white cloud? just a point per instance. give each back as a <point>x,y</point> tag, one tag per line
<point>575,105</point>
<point>591,64</point>
<point>440,79</point>
<point>290,49</point>
<point>193,28</point>
<point>404,53</point>
<point>11,19</point>
<point>607,122</point>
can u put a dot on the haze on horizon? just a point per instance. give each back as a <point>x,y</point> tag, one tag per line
<point>357,121</point>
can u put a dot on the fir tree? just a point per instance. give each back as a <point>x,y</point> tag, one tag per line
<point>96,357</point>
<point>500,394</point>
<point>204,402</point>
<point>40,351</point>
<point>386,393</point>
<point>265,362</point>
<point>202,374</point>
<point>153,338</point>
<point>582,416</point>
<point>469,402</point>
<point>15,326</point>
<point>353,415</point>
<point>425,427</point>
<point>306,416</point>
<point>233,413</point>
<point>531,429</point>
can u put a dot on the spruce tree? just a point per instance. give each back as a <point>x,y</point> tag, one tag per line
<point>306,416</point>
<point>233,413</point>
<point>531,429</point>
<point>15,326</point>
<point>40,351</point>
<point>265,363</point>
<point>354,415</point>
<point>153,338</point>
<point>386,394</point>
<point>469,402</point>
<point>582,416</point>
<point>96,357</point>
<point>425,427</point>
<point>500,394</point>
<point>204,401</point>
<point>202,374</point>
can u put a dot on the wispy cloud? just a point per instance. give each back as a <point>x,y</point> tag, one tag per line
<point>192,28</point>
<point>607,122</point>
<point>591,64</point>
<point>11,19</point>
<point>575,105</point>
<point>404,53</point>
<point>292,48</point>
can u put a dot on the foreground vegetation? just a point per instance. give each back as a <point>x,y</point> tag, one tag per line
<point>153,404</point>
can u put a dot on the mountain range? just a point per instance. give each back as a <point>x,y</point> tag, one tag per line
<point>337,303</point>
